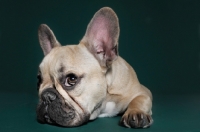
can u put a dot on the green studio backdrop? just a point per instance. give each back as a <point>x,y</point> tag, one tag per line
<point>159,38</point>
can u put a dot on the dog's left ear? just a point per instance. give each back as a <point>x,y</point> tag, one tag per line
<point>101,37</point>
<point>47,39</point>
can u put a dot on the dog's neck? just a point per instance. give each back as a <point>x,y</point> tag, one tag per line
<point>127,76</point>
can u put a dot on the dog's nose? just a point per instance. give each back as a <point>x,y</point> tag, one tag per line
<point>48,96</point>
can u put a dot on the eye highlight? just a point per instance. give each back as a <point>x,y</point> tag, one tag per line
<point>71,80</point>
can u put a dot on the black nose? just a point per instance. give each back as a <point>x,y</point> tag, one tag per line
<point>48,96</point>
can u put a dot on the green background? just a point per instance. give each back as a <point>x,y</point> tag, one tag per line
<point>159,38</point>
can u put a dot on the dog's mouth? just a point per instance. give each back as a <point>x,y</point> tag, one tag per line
<point>53,110</point>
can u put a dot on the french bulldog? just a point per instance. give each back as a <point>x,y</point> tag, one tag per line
<point>78,83</point>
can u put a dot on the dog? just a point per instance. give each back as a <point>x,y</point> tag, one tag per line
<point>78,83</point>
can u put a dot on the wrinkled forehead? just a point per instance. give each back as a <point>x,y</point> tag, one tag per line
<point>68,58</point>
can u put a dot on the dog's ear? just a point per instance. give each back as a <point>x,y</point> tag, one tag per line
<point>47,39</point>
<point>101,37</point>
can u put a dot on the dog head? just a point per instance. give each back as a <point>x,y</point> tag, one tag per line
<point>72,79</point>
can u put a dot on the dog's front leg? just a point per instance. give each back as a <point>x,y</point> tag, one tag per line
<point>138,113</point>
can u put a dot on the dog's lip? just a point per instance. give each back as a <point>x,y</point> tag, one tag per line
<point>48,119</point>
<point>97,107</point>
<point>46,116</point>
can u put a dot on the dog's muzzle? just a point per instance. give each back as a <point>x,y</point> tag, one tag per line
<point>53,110</point>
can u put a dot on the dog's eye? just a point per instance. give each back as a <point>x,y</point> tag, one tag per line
<point>71,80</point>
<point>39,78</point>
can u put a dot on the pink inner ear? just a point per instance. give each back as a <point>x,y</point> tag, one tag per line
<point>47,45</point>
<point>100,34</point>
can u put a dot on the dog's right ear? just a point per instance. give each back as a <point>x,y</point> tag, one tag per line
<point>47,39</point>
<point>101,37</point>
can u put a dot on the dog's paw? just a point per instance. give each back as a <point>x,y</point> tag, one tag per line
<point>133,119</point>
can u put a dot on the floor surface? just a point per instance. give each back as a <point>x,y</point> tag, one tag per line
<point>171,113</point>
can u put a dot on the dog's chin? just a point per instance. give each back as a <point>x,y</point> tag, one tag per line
<point>57,112</point>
